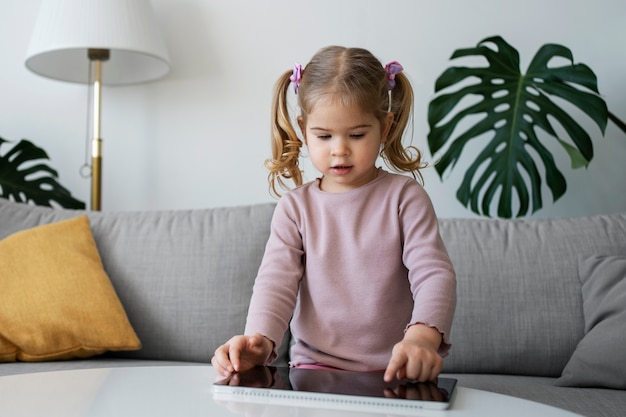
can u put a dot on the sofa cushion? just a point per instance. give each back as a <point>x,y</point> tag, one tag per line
<point>600,357</point>
<point>184,277</point>
<point>57,301</point>
<point>519,308</point>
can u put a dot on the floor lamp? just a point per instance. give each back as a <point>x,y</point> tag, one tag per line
<point>111,42</point>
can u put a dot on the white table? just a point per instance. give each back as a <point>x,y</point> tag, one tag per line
<point>186,391</point>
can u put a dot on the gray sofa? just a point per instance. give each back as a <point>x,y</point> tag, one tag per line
<point>185,277</point>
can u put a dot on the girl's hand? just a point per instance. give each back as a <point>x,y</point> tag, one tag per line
<point>241,353</point>
<point>416,356</point>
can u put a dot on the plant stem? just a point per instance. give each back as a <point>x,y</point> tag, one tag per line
<point>617,121</point>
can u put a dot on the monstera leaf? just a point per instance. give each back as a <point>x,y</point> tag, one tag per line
<point>24,180</point>
<point>510,110</point>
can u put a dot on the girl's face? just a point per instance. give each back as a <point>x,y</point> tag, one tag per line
<point>343,144</point>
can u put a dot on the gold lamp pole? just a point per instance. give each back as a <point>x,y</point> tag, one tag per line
<point>96,58</point>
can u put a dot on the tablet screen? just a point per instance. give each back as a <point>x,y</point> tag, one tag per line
<point>333,387</point>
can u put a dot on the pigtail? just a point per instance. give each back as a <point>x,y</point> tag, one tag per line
<point>284,163</point>
<point>395,154</point>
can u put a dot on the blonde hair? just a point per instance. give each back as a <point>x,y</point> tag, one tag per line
<point>354,77</point>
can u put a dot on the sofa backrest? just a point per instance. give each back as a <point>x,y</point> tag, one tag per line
<point>185,278</point>
<point>519,308</point>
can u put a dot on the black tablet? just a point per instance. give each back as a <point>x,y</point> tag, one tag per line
<point>345,390</point>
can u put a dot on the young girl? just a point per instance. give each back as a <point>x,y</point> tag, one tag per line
<point>355,255</point>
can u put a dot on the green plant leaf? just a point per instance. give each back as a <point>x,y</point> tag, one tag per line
<point>578,160</point>
<point>24,178</point>
<point>514,112</point>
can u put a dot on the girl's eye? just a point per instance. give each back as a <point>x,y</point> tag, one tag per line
<point>323,137</point>
<point>357,135</point>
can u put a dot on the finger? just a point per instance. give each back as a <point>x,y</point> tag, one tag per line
<point>221,361</point>
<point>414,370</point>
<point>234,355</point>
<point>434,374</point>
<point>236,347</point>
<point>390,372</point>
<point>429,372</point>
<point>425,369</point>
<point>435,368</point>
<point>219,368</point>
<point>395,367</point>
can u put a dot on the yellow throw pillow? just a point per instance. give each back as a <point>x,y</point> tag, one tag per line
<point>56,300</point>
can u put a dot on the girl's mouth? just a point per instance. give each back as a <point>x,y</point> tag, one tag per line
<point>341,169</point>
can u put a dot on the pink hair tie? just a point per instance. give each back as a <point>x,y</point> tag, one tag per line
<point>296,77</point>
<point>391,69</point>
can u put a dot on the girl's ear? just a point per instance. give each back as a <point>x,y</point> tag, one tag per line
<point>386,127</point>
<point>302,127</point>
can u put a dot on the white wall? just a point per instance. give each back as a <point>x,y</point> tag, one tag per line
<point>198,137</point>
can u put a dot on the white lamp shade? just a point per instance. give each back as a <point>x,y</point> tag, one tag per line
<point>66,29</point>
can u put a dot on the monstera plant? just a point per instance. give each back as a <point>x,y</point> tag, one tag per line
<point>25,178</point>
<point>513,112</point>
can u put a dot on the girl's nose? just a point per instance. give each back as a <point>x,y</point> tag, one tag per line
<point>340,148</point>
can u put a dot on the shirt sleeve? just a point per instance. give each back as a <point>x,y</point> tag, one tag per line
<point>276,286</point>
<point>431,274</point>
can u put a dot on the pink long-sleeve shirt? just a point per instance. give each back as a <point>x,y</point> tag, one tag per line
<point>358,267</point>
